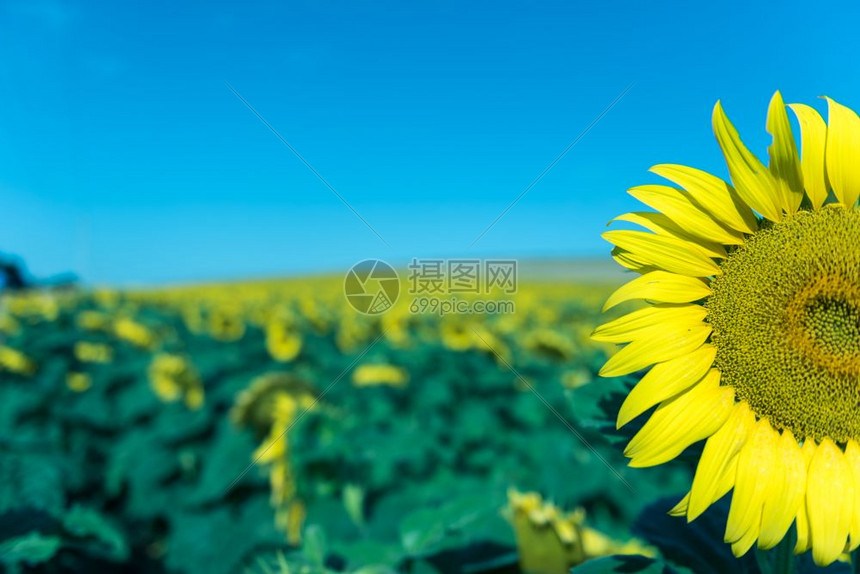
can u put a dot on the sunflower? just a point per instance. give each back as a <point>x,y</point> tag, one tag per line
<point>752,330</point>
<point>551,541</point>
<point>283,339</point>
<point>174,377</point>
<point>380,374</point>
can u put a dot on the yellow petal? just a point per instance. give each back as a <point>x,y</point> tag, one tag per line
<point>852,455</point>
<point>660,286</point>
<point>662,347</point>
<point>813,135</point>
<point>666,380</point>
<point>804,542</point>
<point>842,153</point>
<point>640,323</point>
<point>716,197</point>
<point>786,494</point>
<point>681,421</point>
<point>668,253</point>
<point>678,206</point>
<point>660,224</point>
<point>784,161</point>
<point>754,183</point>
<point>724,483</point>
<point>630,261</point>
<point>756,465</point>
<point>829,502</point>
<point>719,453</point>
<point>680,509</point>
<point>744,543</point>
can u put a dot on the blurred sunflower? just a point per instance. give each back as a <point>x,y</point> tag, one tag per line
<point>283,339</point>
<point>550,344</point>
<point>93,321</point>
<point>373,374</point>
<point>173,377</point>
<point>78,382</point>
<point>551,541</point>
<point>753,329</point>
<point>86,352</point>
<point>137,334</point>
<point>9,325</point>
<point>226,324</point>
<point>271,405</point>
<point>16,362</point>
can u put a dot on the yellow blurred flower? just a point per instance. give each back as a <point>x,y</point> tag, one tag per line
<point>485,340</point>
<point>397,325</point>
<point>314,312</point>
<point>192,316</point>
<point>93,352</point>
<point>550,541</point>
<point>93,321</point>
<point>353,331</point>
<point>255,405</point>
<point>9,325</point>
<point>550,344</point>
<point>274,401</point>
<point>292,520</point>
<point>459,335</point>
<point>456,336</point>
<point>226,324</point>
<point>34,307</point>
<point>173,377</point>
<point>575,378</point>
<point>78,382</point>
<point>370,375</point>
<point>129,330</point>
<point>16,362</point>
<point>107,298</point>
<point>283,340</point>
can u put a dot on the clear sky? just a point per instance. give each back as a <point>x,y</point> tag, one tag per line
<point>125,157</point>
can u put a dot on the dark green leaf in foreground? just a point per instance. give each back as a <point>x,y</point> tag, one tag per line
<point>624,565</point>
<point>698,545</point>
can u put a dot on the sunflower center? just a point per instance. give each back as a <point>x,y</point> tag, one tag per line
<point>786,323</point>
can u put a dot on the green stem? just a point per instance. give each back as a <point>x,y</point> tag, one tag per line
<point>784,559</point>
<point>855,560</point>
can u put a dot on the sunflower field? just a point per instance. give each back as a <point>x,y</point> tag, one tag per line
<point>267,427</point>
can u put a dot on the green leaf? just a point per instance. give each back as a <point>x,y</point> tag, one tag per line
<point>374,569</point>
<point>32,549</point>
<point>421,530</point>
<point>226,458</point>
<point>632,564</point>
<point>32,480</point>
<point>697,545</point>
<point>218,541</point>
<point>314,546</point>
<point>353,501</point>
<point>106,540</point>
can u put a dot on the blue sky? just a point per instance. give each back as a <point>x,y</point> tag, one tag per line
<point>125,157</point>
